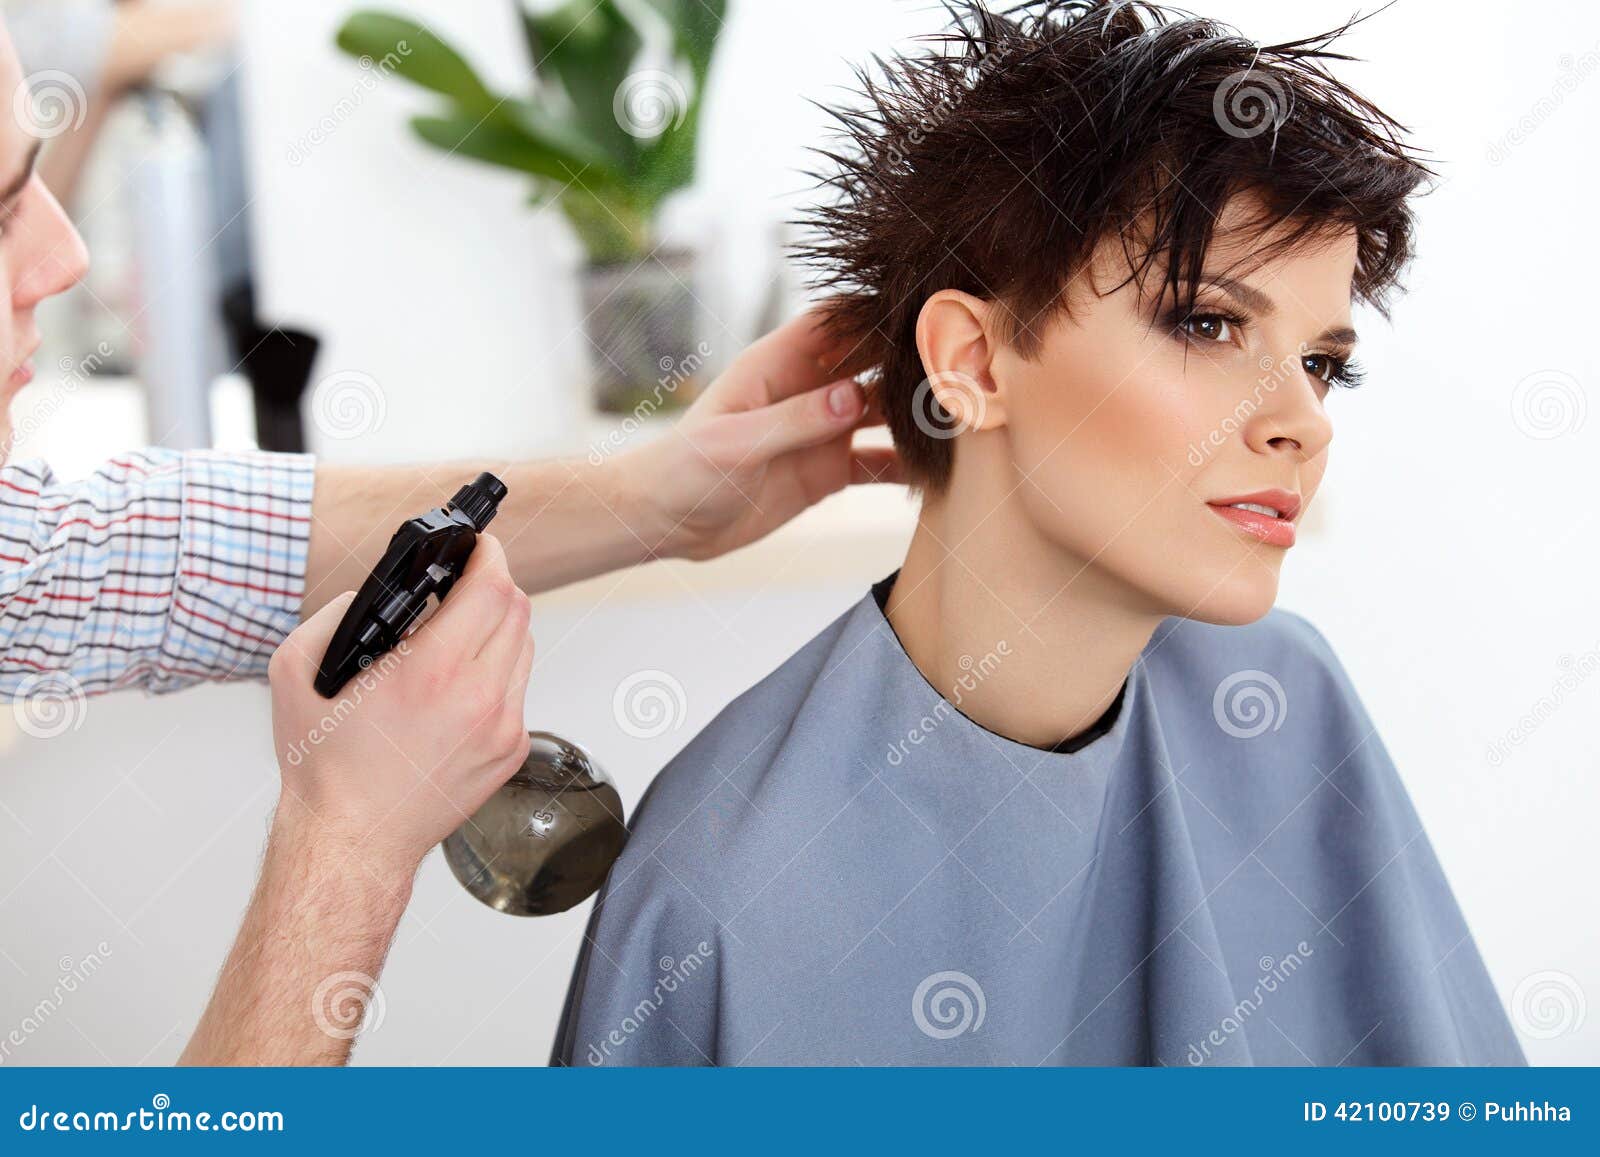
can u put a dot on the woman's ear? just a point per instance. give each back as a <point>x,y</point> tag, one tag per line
<point>957,349</point>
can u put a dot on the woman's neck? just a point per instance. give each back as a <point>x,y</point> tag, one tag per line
<point>1026,640</point>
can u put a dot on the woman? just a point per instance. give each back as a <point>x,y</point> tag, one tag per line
<point>1066,789</point>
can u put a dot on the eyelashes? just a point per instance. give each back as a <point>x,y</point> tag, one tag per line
<point>1345,373</point>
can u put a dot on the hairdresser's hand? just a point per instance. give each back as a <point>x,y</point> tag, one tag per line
<point>413,745</point>
<point>371,780</point>
<point>770,437</point>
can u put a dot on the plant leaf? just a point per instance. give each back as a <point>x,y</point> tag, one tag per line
<point>556,133</point>
<point>611,228</point>
<point>498,141</point>
<point>695,25</point>
<point>417,55</point>
<point>669,160</point>
<point>588,48</point>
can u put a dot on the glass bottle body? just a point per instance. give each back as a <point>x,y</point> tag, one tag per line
<point>544,841</point>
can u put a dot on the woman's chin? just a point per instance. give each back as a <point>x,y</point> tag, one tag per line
<point>1234,601</point>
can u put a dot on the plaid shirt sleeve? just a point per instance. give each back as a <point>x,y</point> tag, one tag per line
<point>161,569</point>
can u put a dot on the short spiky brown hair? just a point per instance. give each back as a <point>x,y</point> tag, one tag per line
<point>998,160</point>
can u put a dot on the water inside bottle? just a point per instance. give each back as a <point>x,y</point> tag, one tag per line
<point>546,839</point>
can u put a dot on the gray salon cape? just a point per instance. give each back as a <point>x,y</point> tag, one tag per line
<point>844,869</point>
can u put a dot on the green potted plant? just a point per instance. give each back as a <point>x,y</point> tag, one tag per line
<point>604,137</point>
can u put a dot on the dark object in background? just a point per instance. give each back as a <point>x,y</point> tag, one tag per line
<point>277,362</point>
<point>545,841</point>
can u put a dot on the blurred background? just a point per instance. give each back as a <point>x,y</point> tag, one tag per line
<point>353,231</point>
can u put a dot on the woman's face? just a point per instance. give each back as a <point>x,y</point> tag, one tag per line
<point>41,253</point>
<point>1131,437</point>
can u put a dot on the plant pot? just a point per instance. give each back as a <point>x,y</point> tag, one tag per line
<point>641,321</point>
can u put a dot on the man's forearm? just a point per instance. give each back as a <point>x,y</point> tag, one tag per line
<point>303,969</point>
<point>561,521</point>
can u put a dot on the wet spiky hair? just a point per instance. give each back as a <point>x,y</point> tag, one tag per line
<point>996,161</point>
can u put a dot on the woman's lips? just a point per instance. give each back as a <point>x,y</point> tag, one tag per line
<point>22,375</point>
<point>1272,531</point>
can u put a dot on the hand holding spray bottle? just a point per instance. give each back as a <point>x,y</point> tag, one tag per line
<point>544,841</point>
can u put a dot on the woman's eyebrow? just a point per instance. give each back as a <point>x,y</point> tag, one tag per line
<point>20,181</point>
<point>1254,299</point>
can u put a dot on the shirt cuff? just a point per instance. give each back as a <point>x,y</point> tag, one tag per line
<point>241,563</point>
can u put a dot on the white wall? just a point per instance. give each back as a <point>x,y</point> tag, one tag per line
<point>1454,572</point>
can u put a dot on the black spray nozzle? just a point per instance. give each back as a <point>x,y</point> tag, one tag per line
<point>424,559</point>
<point>479,500</point>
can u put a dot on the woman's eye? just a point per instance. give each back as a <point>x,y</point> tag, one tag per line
<point>1334,371</point>
<point>1208,326</point>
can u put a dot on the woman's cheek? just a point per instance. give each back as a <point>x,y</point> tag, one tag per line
<point>1102,445</point>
